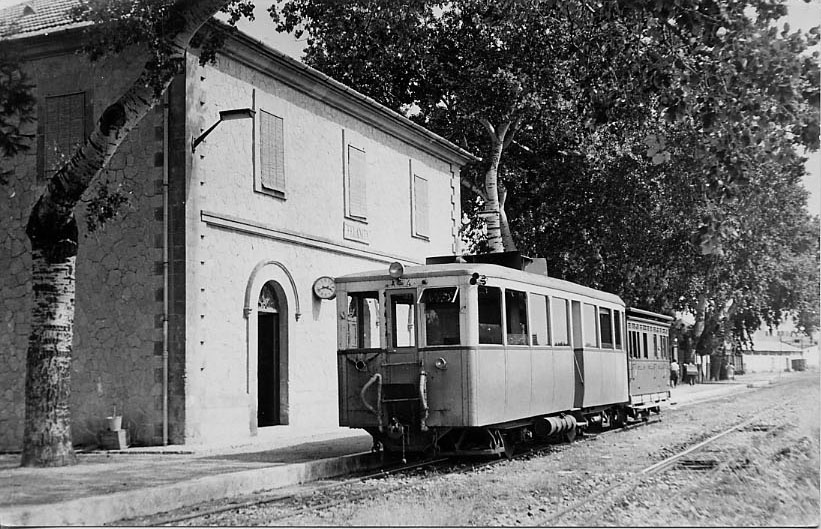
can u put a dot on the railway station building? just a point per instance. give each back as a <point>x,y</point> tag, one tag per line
<point>204,311</point>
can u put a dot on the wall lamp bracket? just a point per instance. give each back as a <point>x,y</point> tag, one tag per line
<point>225,115</point>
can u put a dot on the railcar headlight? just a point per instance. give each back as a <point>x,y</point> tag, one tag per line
<point>395,270</point>
<point>441,363</point>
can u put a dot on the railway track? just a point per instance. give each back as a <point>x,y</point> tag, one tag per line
<point>319,496</point>
<point>589,510</point>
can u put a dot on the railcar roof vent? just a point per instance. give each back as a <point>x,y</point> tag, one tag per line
<point>515,260</point>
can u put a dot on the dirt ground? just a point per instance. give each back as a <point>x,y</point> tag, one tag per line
<point>764,474</point>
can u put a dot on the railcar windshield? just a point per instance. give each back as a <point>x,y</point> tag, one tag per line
<point>363,320</point>
<point>403,319</point>
<point>441,312</point>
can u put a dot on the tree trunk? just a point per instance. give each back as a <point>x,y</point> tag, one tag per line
<point>504,225</point>
<point>47,427</point>
<point>500,138</point>
<point>52,231</point>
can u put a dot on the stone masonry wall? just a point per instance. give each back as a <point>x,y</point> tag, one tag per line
<point>119,307</point>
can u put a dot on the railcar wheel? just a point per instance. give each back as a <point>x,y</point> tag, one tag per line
<point>606,419</point>
<point>620,418</point>
<point>570,435</point>
<point>508,445</point>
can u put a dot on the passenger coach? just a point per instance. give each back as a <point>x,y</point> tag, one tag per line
<point>475,357</point>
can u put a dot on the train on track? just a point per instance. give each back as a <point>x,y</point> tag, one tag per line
<point>476,354</point>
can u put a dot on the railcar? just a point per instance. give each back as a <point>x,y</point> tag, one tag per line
<point>475,357</point>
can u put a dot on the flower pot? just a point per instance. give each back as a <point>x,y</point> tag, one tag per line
<point>115,423</point>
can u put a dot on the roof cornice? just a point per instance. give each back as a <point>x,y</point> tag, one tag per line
<point>255,54</point>
<point>261,57</point>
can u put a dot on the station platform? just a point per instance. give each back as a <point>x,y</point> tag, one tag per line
<point>107,486</point>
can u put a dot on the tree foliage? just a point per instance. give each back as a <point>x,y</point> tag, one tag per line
<point>655,148</point>
<point>16,109</point>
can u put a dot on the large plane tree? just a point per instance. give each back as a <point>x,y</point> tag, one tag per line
<point>161,32</point>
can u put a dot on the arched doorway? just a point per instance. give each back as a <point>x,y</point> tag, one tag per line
<point>272,356</point>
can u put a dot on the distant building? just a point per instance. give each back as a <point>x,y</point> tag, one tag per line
<point>775,350</point>
<point>196,313</point>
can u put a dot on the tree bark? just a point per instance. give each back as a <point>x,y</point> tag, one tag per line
<point>52,230</point>
<point>500,138</point>
<point>47,427</point>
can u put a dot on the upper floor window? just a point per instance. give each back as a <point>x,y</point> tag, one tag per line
<point>441,309</point>
<point>63,129</point>
<point>420,207</point>
<point>490,315</point>
<point>272,153</point>
<point>516,314</point>
<point>355,188</point>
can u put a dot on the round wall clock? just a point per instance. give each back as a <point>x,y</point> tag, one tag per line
<point>325,288</point>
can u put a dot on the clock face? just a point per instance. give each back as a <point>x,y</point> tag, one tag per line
<point>325,288</point>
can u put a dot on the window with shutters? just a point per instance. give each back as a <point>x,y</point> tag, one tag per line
<point>421,222</point>
<point>355,192</point>
<point>63,129</point>
<point>272,153</point>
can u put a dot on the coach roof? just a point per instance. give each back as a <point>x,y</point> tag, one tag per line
<point>488,270</point>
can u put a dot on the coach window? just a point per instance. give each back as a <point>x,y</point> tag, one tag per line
<point>490,315</point>
<point>617,327</point>
<point>363,320</point>
<point>655,345</point>
<point>589,316</point>
<point>441,309</point>
<point>606,328</point>
<point>558,315</point>
<point>644,345</point>
<point>516,313</point>
<point>539,314</point>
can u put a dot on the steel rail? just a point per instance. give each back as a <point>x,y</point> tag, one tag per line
<point>656,468</point>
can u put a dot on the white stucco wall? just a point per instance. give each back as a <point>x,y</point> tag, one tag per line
<point>232,230</point>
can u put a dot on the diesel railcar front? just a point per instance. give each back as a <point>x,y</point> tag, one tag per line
<point>474,357</point>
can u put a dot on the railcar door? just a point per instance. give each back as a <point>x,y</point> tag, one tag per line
<point>400,391</point>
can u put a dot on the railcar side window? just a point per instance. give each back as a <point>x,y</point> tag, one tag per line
<point>540,313</point>
<point>656,345</point>
<point>490,315</point>
<point>589,316</point>
<point>558,314</point>
<point>403,320</point>
<point>516,313</point>
<point>617,327</point>
<point>363,320</point>
<point>606,328</point>
<point>441,309</point>
<point>644,345</point>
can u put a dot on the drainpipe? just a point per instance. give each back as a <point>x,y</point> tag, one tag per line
<point>165,273</point>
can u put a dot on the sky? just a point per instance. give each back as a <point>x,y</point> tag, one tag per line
<point>802,15</point>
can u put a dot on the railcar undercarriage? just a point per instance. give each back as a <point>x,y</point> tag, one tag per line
<point>497,440</point>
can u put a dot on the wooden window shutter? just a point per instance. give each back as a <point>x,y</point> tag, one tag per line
<point>357,177</point>
<point>63,129</point>
<point>420,206</point>
<point>272,152</point>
